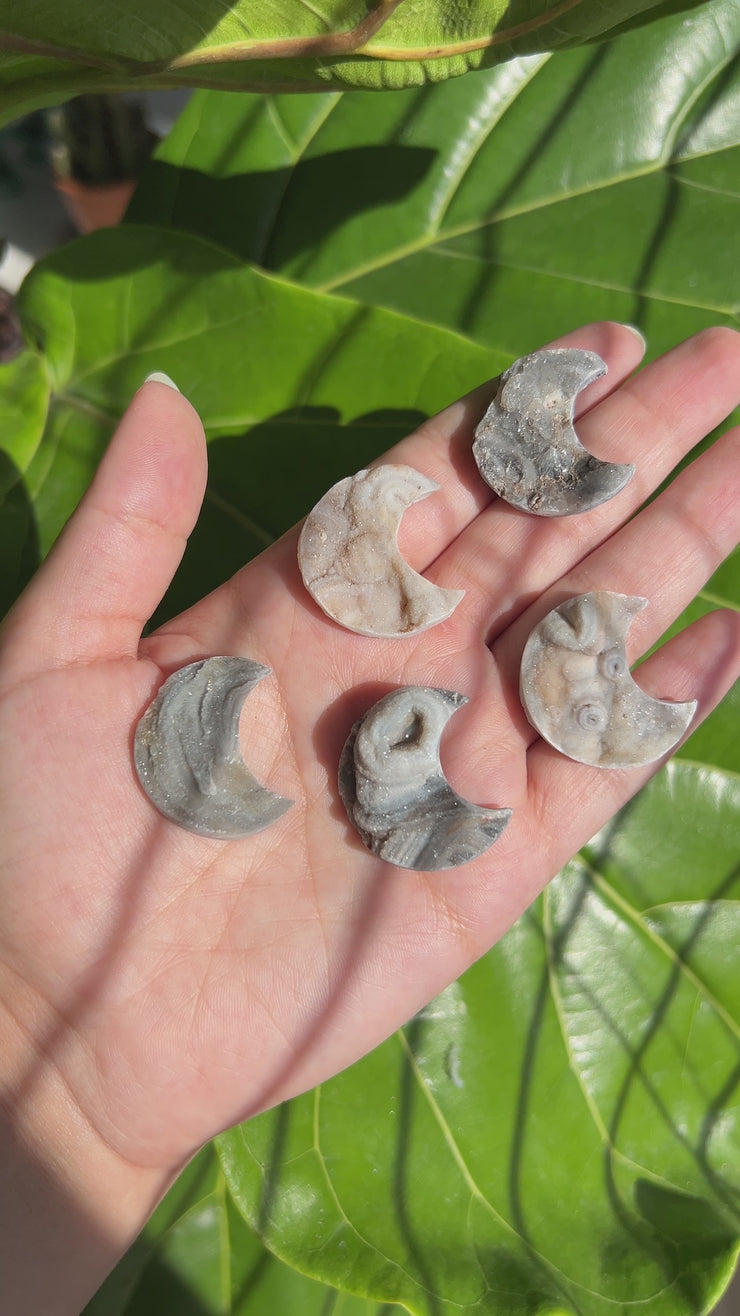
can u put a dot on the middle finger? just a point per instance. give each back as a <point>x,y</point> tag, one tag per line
<point>505,558</point>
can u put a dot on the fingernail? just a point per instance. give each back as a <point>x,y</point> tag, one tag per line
<point>634,330</point>
<point>159,377</point>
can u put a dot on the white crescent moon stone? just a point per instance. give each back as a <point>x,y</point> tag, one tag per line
<point>577,690</point>
<point>351,563</point>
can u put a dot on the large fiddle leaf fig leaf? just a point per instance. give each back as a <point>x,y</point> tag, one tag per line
<point>50,51</point>
<point>559,1130</point>
<point>511,204</point>
<point>198,1257</point>
<point>295,388</point>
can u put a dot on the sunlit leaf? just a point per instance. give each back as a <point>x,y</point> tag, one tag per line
<point>558,1131</point>
<point>49,50</point>
<point>295,388</point>
<point>512,204</point>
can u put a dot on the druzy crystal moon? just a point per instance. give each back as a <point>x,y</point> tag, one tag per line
<point>350,560</point>
<point>187,755</point>
<point>394,790</point>
<point>577,690</point>
<point>526,447</point>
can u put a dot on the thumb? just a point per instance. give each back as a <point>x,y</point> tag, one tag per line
<point>119,551</point>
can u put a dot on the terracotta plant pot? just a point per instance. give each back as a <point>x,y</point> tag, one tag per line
<point>91,207</point>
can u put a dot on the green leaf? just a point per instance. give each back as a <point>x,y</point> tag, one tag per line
<point>512,204</point>
<point>558,1131</point>
<point>281,44</point>
<point>24,397</point>
<point>270,367</point>
<point>197,1257</point>
<point>716,743</point>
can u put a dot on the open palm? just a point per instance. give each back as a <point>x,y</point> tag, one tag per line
<point>179,984</point>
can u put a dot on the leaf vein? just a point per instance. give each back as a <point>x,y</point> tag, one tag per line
<point>390,1261</point>
<point>607,1141</point>
<point>633,916</point>
<point>496,217</point>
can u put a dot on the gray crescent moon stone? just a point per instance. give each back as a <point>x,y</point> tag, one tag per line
<point>187,755</point>
<point>526,447</point>
<point>394,790</point>
<point>577,690</point>
<point>350,560</point>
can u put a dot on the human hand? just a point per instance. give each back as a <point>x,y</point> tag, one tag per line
<point>173,985</point>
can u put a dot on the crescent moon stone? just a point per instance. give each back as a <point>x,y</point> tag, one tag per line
<point>526,447</point>
<point>187,755</point>
<point>577,690</point>
<point>394,790</point>
<point>351,563</point>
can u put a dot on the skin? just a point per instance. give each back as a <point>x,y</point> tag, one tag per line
<point>157,986</point>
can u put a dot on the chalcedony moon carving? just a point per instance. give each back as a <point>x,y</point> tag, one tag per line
<point>350,560</point>
<point>187,755</point>
<point>394,790</point>
<point>578,693</point>
<point>526,447</point>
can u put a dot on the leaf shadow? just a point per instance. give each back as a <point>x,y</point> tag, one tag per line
<point>474,306</point>
<point>160,1292</point>
<point>670,208</point>
<point>519,1134</point>
<point>664,1221</point>
<point>636,1072</point>
<point>241,211</point>
<point>20,550</point>
<point>245,212</point>
<point>408,1088</point>
<point>40,1180</point>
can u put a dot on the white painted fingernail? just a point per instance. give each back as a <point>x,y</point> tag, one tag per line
<point>634,330</point>
<point>159,377</point>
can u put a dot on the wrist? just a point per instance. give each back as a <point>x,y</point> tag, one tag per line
<point>69,1205</point>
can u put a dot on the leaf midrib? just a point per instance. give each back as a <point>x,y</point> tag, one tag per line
<point>390,1261</point>
<point>544,202</point>
<point>717,601</point>
<point>487,1205</point>
<point>601,1128</point>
